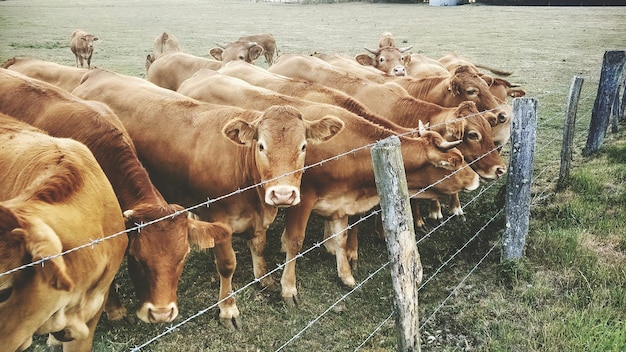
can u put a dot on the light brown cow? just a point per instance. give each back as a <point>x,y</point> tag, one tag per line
<point>244,50</point>
<point>173,67</point>
<point>423,66</point>
<point>236,92</point>
<point>163,43</point>
<point>389,60</point>
<point>64,77</point>
<point>267,41</point>
<point>181,142</point>
<point>53,198</point>
<point>158,253</point>
<point>81,44</point>
<point>452,60</point>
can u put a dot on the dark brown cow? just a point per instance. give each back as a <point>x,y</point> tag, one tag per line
<point>244,50</point>
<point>81,44</point>
<point>54,198</point>
<point>181,141</point>
<point>173,67</point>
<point>64,77</point>
<point>158,253</point>
<point>236,92</point>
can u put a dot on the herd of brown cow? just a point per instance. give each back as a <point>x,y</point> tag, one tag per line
<point>87,153</point>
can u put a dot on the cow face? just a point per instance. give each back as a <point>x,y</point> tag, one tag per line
<point>478,145</point>
<point>465,84</point>
<point>33,294</point>
<point>387,59</point>
<point>279,138</point>
<point>238,50</point>
<point>156,277</point>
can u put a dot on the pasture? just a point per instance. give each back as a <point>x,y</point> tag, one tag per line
<point>567,295</point>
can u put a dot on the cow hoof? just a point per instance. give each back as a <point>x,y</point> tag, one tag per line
<point>232,324</point>
<point>270,284</point>
<point>118,313</point>
<point>62,336</point>
<point>354,264</point>
<point>349,282</point>
<point>292,301</point>
<point>460,218</point>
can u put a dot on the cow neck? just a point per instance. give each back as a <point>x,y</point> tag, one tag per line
<point>423,87</point>
<point>409,111</point>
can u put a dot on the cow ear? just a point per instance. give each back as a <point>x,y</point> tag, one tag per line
<point>407,59</point>
<point>323,129</point>
<point>205,234</point>
<point>488,79</point>
<point>255,51</point>
<point>240,132</point>
<point>95,39</point>
<point>364,60</point>
<point>516,92</point>
<point>217,53</point>
<point>42,242</point>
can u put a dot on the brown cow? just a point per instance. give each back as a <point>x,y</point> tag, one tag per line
<point>385,101</point>
<point>64,77</point>
<point>423,66</point>
<point>159,252</point>
<point>236,92</point>
<point>54,198</point>
<point>244,50</point>
<point>81,44</point>
<point>173,67</point>
<point>267,41</point>
<point>180,141</point>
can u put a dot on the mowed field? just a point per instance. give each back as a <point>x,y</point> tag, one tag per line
<point>544,46</point>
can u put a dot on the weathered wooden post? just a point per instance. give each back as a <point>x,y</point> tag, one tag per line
<point>568,131</point>
<point>406,267</point>
<point>612,66</point>
<point>519,179</point>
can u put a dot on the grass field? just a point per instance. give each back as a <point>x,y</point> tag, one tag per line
<point>568,292</point>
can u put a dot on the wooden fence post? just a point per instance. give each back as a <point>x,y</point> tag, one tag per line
<point>519,179</point>
<point>612,67</point>
<point>568,131</point>
<point>406,267</point>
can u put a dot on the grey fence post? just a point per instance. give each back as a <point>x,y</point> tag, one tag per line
<point>568,131</point>
<point>612,66</point>
<point>519,179</point>
<point>406,267</point>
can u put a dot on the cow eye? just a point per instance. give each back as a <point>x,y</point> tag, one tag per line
<point>5,294</point>
<point>472,91</point>
<point>241,58</point>
<point>381,59</point>
<point>261,147</point>
<point>473,135</point>
<point>303,148</point>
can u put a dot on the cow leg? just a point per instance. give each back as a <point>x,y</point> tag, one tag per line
<point>84,343</point>
<point>226,263</point>
<point>292,239</point>
<point>455,206</point>
<point>114,308</point>
<point>417,215</point>
<point>257,248</point>
<point>435,210</point>
<point>352,245</point>
<point>80,59</point>
<point>338,227</point>
<point>89,61</point>
<point>328,244</point>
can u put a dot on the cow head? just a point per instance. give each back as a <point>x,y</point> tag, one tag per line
<point>439,152</point>
<point>465,84</point>
<point>21,242</point>
<point>388,59</point>
<point>238,50</point>
<point>88,41</point>
<point>478,146</point>
<point>156,277</point>
<point>279,137</point>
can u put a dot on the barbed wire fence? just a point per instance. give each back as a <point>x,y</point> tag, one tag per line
<point>545,174</point>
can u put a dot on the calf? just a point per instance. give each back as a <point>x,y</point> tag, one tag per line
<point>81,44</point>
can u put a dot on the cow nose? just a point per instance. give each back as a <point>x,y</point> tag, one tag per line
<point>162,315</point>
<point>398,71</point>
<point>282,196</point>
<point>500,171</point>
